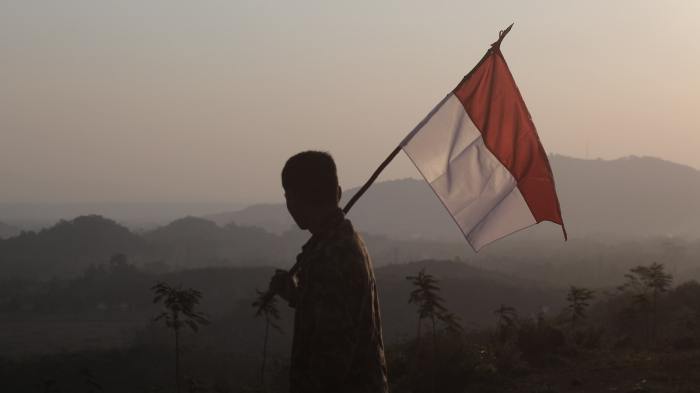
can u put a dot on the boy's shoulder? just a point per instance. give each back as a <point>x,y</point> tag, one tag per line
<point>344,241</point>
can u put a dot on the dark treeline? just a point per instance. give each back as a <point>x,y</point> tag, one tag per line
<point>449,328</point>
<point>69,247</point>
<point>119,286</point>
<point>77,311</point>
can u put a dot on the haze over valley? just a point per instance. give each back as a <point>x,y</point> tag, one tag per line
<point>142,214</point>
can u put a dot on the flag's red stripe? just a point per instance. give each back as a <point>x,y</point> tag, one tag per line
<point>494,104</point>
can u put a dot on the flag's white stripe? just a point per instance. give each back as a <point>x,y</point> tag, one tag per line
<point>509,216</point>
<point>478,191</point>
<point>443,135</point>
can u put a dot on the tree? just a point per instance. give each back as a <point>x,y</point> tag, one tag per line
<point>118,262</point>
<point>180,312</point>
<point>673,251</point>
<point>431,306</point>
<point>267,307</point>
<point>507,317</point>
<point>452,323</point>
<point>426,296</point>
<point>578,298</point>
<point>646,284</point>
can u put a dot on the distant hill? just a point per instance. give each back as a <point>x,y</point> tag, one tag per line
<point>193,241</point>
<point>633,196</point>
<point>8,231</point>
<point>627,197</point>
<point>383,210</point>
<point>67,247</point>
<point>272,217</point>
<point>135,215</point>
<point>402,221</point>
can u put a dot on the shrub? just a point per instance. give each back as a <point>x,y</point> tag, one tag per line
<point>538,340</point>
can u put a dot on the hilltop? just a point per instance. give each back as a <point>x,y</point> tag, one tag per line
<point>7,230</point>
<point>67,247</point>
<point>70,246</point>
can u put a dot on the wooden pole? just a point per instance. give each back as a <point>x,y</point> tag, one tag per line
<point>371,180</point>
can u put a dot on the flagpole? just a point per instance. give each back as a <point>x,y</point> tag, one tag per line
<point>371,180</point>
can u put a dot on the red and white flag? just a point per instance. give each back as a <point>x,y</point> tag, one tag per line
<point>479,151</point>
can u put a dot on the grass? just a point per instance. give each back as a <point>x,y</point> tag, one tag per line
<point>27,334</point>
<point>612,371</point>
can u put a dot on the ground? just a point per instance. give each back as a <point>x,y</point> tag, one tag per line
<point>608,371</point>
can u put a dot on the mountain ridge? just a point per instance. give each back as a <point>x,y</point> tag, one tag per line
<point>7,231</point>
<point>627,197</point>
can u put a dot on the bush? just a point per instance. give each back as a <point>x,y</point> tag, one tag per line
<point>589,337</point>
<point>506,357</point>
<point>684,343</point>
<point>411,365</point>
<point>537,340</point>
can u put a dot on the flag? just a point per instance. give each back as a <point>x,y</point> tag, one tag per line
<point>479,151</point>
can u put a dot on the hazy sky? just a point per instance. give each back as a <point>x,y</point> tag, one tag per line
<point>205,100</point>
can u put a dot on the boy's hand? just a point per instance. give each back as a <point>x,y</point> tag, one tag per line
<point>282,283</point>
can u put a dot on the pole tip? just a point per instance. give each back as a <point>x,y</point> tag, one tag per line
<point>501,35</point>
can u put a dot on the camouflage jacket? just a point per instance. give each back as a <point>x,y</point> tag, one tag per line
<point>337,345</point>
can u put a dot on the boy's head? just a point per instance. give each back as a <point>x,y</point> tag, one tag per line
<point>310,183</point>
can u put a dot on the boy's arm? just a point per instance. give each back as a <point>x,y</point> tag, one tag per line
<point>285,285</point>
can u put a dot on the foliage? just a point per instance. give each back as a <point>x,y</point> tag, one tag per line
<point>578,299</point>
<point>426,295</point>
<point>457,366</point>
<point>507,318</point>
<point>229,355</point>
<point>180,304</point>
<point>180,312</point>
<point>452,323</point>
<point>266,307</point>
<point>646,284</point>
<point>431,305</point>
<point>538,340</point>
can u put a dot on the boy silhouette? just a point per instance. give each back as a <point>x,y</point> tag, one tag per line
<point>337,344</point>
